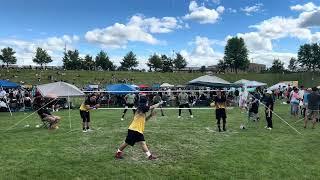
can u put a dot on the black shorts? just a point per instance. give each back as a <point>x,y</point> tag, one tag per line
<point>85,116</point>
<point>221,114</point>
<point>184,105</point>
<point>254,109</point>
<point>129,105</point>
<point>133,137</point>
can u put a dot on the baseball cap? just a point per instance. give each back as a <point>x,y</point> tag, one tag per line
<point>269,92</point>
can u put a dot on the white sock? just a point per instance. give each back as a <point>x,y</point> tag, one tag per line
<point>148,153</point>
<point>119,150</point>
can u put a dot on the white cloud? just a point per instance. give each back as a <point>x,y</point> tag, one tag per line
<point>138,29</point>
<point>255,42</point>
<point>202,53</point>
<point>282,27</point>
<point>309,19</point>
<point>25,50</point>
<point>306,7</point>
<point>268,57</point>
<point>202,14</point>
<point>249,10</point>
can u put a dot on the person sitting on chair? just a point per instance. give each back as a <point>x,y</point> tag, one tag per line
<point>44,113</point>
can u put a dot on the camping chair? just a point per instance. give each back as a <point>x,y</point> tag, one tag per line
<point>45,123</point>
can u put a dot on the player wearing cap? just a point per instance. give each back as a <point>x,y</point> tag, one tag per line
<point>269,108</point>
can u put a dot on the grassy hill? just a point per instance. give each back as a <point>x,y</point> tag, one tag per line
<point>82,78</point>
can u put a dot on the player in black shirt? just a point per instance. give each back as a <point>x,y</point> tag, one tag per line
<point>45,115</point>
<point>220,103</point>
<point>269,108</point>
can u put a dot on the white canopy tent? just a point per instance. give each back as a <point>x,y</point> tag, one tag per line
<point>59,89</point>
<point>276,86</point>
<point>210,81</point>
<point>248,83</point>
<point>166,85</point>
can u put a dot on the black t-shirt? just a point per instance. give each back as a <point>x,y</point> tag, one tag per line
<point>236,92</point>
<point>90,103</point>
<point>220,102</point>
<point>269,102</point>
<point>43,112</point>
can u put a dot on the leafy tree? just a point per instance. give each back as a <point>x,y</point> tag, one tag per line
<point>7,56</point>
<point>293,65</point>
<point>167,64</point>
<point>179,62</point>
<point>221,66</point>
<point>236,54</point>
<point>315,58</point>
<point>203,69</point>
<point>88,63</point>
<point>42,57</point>
<point>277,66</point>
<point>102,60</point>
<point>129,62</point>
<point>71,60</point>
<point>155,62</point>
<point>305,56</point>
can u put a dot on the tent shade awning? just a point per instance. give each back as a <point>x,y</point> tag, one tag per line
<point>120,89</point>
<point>59,89</point>
<point>210,81</point>
<point>277,86</point>
<point>8,84</point>
<point>166,85</point>
<point>143,86</point>
<point>248,83</point>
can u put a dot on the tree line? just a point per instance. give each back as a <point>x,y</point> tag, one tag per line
<point>72,61</point>
<point>308,60</point>
<point>235,58</point>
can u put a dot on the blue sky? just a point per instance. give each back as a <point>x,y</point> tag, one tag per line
<point>197,29</point>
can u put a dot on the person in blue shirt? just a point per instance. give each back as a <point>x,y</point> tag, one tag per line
<point>305,101</point>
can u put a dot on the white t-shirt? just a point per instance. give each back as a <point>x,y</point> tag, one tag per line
<point>243,95</point>
<point>301,94</point>
<point>3,93</point>
<point>3,104</point>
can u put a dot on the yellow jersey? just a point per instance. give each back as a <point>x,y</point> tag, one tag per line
<point>138,123</point>
<point>85,103</point>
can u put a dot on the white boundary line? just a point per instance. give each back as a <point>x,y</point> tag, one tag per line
<point>277,115</point>
<point>174,108</point>
<point>164,91</point>
<point>29,115</point>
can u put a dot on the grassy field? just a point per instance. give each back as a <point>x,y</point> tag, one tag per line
<point>82,78</point>
<point>187,148</point>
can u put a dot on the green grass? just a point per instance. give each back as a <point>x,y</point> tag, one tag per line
<point>187,148</point>
<point>82,78</point>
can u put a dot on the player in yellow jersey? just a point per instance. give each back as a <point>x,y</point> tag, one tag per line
<point>220,102</point>
<point>89,104</point>
<point>136,129</point>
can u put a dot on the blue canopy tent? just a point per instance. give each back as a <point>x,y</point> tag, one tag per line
<point>156,86</point>
<point>8,84</point>
<point>120,89</point>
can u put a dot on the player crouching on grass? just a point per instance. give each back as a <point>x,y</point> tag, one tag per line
<point>136,129</point>
<point>38,103</point>
<point>90,103</point>
<point>220,102</point>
